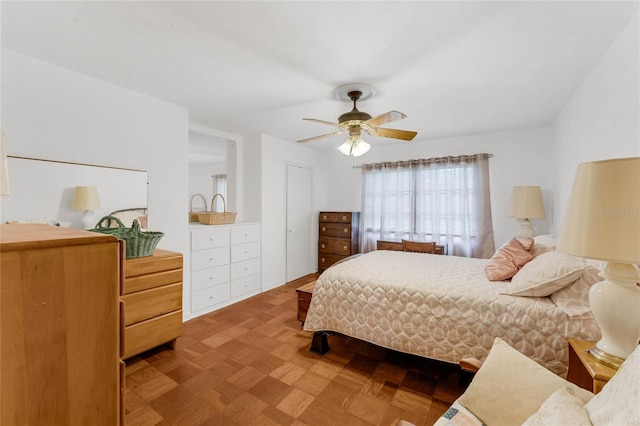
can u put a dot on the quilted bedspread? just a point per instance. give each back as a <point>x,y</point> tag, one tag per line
<point>440,307</point>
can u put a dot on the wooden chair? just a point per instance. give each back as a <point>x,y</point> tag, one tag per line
<point>418,247</point>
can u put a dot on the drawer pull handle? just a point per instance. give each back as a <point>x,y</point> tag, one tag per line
<point>210,297</point>
<point>245,235</point>
<point>210,278</point>
<point>211,258</point>
<point>346,230</point>
<point>322,260</point>
<point>245,252</point>
<point>324,217</point>
<point>324,229</point>
<point>323,246</point>
<point>246,269</point>
<point>344,218</point>
<point>344,248</point>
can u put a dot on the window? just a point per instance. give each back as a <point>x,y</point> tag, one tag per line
<point>445,200</point>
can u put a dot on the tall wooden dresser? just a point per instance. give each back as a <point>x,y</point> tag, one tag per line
<point>59,323</point>
<point>338,237</point>
<point>152,301</point>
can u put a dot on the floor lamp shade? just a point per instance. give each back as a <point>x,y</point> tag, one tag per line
<point>602,222</point>
<point>526,203</point>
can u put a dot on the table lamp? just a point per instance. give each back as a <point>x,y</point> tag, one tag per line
<point>86,198</point>
<point>526,203</point>
<point>602,222</point>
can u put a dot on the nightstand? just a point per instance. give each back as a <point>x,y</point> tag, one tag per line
<point>304,299</point>
<point>585,371</point>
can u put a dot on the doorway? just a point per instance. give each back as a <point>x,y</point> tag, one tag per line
<point>299,221</point>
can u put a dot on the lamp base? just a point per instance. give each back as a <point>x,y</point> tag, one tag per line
<point>526,229</point>
<point>87,219</point>
<point>604,358</point>
<point>614,303</point>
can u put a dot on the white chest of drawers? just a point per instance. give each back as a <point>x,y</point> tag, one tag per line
<point>225,265</point>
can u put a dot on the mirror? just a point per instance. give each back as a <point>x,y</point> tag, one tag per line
<point>210,172</point>
<point>43,191</point>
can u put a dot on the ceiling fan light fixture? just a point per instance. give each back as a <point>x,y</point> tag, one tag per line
<point>354,147</point>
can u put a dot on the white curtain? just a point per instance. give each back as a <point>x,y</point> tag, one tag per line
<point>445,200</point>
<point>219,187</point>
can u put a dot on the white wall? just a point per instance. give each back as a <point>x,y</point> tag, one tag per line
<point>520,157</point>
<point>602,120</point>
<point>276,154</point>
<point>53,113</point>
<point>201,182</point>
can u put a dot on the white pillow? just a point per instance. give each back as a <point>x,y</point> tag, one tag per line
<point>545,274</point>
<point>509,387</point>
<point>574,298</point>
<point>564,407</point>
<point>618,403</point>
<point>543,244</point>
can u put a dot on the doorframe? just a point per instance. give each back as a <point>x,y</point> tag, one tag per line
<point>312,230</point>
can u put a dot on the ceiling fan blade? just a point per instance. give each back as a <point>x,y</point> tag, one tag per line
<point>384,118</point>
<point>392,133</point>
<point>322,122</point>
<point>321,136</point>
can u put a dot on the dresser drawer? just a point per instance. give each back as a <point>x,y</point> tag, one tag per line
<point>204,259</point>
<point>245,251</point>
<point>209,238</point>
<point>160,260</point>
<point>245,234</point>
<point>209,297</point>
<point>326,260</point>
<point>245,285</point>
<point>336,230</point>
<point>245,268</point>
<point>335,217</point>
<point>146,304</point>
<point>151,333</point>
<point>144,282</point>
<point>334,246</point>
<point>209,277</point>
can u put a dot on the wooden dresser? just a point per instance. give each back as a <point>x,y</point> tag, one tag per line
<point>59,323</point>
<point>338,237</point>
<point>151,302</point>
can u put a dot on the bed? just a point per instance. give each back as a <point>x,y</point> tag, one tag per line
<point>445,308</point>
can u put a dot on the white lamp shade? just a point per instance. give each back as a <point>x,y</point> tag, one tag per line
<point>86,198</point>
<point>526,203</point>
<point>602,220</point>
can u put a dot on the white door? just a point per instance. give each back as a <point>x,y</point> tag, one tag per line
<point>299,222</point>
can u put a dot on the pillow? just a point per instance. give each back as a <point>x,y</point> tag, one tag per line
<point>507,260</point>
<point>543,244</point>
<point>509,387</point>
<point>617,402</point>
<point>574,298</point>
<point>563,407</point>
<point>545,274</point>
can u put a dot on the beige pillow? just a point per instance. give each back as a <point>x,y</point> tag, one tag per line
<point>618,403</point>
<point>574,298</point>
<point>509,387</point>
<point>563,407</point>
<point>545,274</point>
<point>507,260</point>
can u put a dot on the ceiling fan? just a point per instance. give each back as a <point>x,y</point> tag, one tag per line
<point>354,122</point>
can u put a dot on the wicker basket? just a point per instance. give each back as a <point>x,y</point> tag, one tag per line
<point>216,218</point>
<point>193,216</point>
<point>137,243</point>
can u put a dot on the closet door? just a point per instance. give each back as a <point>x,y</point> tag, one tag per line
<point>300,222</point>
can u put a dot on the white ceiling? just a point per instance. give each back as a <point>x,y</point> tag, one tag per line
<point>454,68</point>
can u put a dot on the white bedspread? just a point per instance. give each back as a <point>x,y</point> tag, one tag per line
<point>440,307</point>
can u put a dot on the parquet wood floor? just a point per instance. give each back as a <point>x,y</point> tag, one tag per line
<point>249,364</point>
